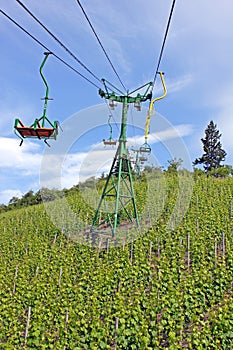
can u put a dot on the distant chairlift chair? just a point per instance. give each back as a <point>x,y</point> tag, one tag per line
<point>110,141</point>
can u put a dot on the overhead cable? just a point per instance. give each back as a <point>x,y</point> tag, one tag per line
<point>57,40</point>
<point>164,41</point>
<point>47,49</point>
<point>101,45</point>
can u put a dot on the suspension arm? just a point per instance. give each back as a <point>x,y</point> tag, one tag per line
<point>151,106</point>
<point>47,88</point>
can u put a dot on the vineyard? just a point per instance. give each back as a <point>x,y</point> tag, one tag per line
<point>166,289</point>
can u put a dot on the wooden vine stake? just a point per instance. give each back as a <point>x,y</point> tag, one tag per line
<point>158,250</point>
<point>123,242</point>
<point>66,320</point>
<point>215,251</point>
<point>37,271</point>
<point>55,238</point>
<point>16,274</point>
<point>66,325</point>
<point>27,326</point>
<point>188,252</point>
<point>59,279</point>
<point>131,252</point>
<point>99,247</point>
<point>150,251</point>
<point>223,245</point>
<point>107,245</point>
<point>115,335</point>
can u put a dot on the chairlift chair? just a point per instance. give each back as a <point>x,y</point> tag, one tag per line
<point>38,128</point>
<point>142,159</point>
<point>145,148</point>
<point>110,141</point>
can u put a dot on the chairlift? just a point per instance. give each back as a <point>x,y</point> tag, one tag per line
<point>142,159</point>
<point>42,128</point>
<point>145,148</point>
<point>36,130</point>
<point>110,141</point>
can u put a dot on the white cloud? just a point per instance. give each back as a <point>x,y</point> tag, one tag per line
<point>172,132</point>
<point>69,169</point>
<point>19,167</point>
<point>80,166</point>
<point>173,84</point>
<point>180,83</point>
<point>6,195</point>
<point>25,159</point>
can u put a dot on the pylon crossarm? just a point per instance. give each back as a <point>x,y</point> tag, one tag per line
<point>114,87</point>
<point>130,99</point>
<point>146,92</point>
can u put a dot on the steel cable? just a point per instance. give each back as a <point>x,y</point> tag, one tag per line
<point>101,45</point>
<point>57,40</point>
<point>164,41</point>
<point>47,49</point>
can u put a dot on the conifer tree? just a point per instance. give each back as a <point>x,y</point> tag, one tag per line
<point>213,153</point>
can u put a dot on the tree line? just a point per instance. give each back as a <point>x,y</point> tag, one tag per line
<point>211,159</point>
<point>31,198</point>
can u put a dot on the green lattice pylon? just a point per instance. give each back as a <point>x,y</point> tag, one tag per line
<point>117,202</point>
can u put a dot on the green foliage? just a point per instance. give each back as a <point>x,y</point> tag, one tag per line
<point>161,298</point>
<point>223,171</point>
<point>174,165</point>
<point>30,198</point>
<point>213,153</point>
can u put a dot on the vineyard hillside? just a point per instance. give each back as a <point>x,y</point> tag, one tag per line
<point>171,288</point>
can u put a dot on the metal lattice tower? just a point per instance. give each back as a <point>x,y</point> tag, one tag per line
<point>117,201</point>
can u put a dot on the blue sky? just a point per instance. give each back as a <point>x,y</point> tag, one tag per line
<point>197,62</point>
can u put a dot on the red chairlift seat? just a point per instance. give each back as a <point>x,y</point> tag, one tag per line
<point>142,159</point>
<point>109,142</point>
<point>36,130</point>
